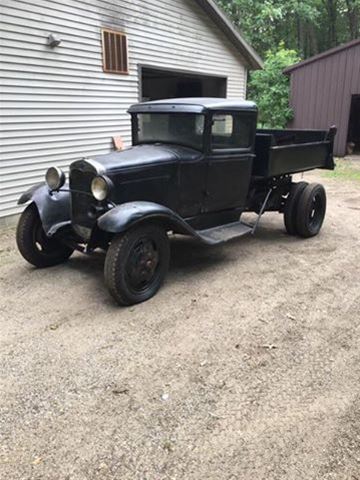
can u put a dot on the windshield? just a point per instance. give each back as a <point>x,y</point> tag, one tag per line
<point>177,128</point>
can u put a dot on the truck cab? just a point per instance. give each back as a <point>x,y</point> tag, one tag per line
<point>221,132</point>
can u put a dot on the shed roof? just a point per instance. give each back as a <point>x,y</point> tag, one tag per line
<point>225,24</point>
<point>327,53</point>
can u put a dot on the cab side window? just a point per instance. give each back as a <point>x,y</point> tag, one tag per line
<point>231,131</point>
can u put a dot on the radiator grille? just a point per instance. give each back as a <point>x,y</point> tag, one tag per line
<point>82,201</point>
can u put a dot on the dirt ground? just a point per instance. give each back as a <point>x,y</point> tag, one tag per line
<point>246,365</point>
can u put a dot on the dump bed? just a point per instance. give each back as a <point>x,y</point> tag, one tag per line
<point>280,152</point>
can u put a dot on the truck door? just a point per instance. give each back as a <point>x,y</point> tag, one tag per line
<point>229,161</point>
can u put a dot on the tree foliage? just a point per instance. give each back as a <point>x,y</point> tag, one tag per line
<point>307,26</point>
<point>269,88</point>
<point>283,32</point>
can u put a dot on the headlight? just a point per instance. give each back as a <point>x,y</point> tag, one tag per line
<point>55,178</point>
<point>100,187</point>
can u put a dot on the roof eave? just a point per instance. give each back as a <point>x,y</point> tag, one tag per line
<point>320,56</point>
<point>221,19</point>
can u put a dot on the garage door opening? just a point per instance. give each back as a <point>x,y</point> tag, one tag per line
<point>354,125</point>
<point>160,84</point>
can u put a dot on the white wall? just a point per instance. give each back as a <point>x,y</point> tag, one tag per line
<point>58,105</point>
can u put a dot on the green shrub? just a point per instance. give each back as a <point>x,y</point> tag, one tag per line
<point>269,88</point>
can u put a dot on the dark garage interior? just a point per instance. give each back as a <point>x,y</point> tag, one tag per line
<point>354,124</point>
<point>159,84</point>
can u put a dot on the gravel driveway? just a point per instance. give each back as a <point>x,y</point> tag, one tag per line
<point>246,365</point>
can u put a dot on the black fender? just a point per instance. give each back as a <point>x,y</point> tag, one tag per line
<point>54,207</point>
<point>122,217</point>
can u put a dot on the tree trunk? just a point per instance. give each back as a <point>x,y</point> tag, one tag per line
<point>313,40</point>
<point>300,35</point>
<point>330,6</point>
<point>353,18</point>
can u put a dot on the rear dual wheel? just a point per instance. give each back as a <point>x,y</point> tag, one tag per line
<point>311,210</point>
<point>136,264</point>
<point>291,206</point>
<point>305,209</point>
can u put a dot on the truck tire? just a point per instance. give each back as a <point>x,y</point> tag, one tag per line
<point>291,204</point>
<point>311,210</point>
<point>136,264</point>
<point>33,244</point>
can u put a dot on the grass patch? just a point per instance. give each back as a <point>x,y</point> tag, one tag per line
<point>345,170</point>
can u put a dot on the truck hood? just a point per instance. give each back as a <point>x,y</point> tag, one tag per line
<point>142,155</point>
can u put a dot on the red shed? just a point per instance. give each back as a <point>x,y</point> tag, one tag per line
<point>325,91</point>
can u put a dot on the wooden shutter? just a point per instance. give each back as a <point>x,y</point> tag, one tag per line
<point>115,52</point>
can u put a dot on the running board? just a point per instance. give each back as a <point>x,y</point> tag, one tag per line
<point>223,233</point>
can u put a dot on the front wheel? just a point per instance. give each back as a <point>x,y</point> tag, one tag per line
<point>136,264</point>
<point>34,245</point>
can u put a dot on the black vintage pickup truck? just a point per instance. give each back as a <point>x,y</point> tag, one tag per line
<point>195,166</point>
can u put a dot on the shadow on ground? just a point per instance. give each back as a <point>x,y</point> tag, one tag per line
<point>189,256</point>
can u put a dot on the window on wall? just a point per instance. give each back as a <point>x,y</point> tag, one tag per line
<point>115,52</point>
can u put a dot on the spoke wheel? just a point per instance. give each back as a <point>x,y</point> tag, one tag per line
<point>33,244</point>
<point>136,264</point>
<point>142,264</point>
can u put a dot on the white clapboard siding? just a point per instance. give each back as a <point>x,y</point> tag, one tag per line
<point>58,105</point>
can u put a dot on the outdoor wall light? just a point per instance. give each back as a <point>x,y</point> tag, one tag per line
<point>53,40</point>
